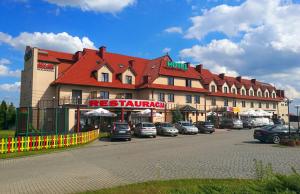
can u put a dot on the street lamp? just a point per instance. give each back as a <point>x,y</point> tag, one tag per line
<point>289,101</point>
<point>297,107</point>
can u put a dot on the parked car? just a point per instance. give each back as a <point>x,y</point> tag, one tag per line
<point>120,130</point>
<point>273,134</point>
<point>205,127</point>
<point>186,127</point>
<point>248,123</point>
<point>166,129</point>
<point>231,124</point>
<point>145,129</point>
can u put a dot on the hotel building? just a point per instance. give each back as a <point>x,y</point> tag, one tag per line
<point>58,79</point>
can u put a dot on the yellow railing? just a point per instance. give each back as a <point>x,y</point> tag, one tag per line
<point>30,143</point>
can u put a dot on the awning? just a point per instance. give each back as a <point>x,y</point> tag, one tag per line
<point>188,108</point>
<point>100,112</point>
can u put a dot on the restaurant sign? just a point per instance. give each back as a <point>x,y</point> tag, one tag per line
<point>45,66</point>
<point>182,66</point>
<point>125,103</point>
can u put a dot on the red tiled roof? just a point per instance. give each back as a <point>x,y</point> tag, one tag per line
<point>76,69</point>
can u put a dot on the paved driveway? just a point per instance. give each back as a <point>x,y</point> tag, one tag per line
<point>104,164</point>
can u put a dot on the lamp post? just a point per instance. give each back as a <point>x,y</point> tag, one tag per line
<point>297,107</point>
<point>288,101</point>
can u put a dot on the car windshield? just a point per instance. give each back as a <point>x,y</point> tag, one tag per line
<point>166,125</point>
<point>187,124</point>
<point>148,125</point>
<point>269,128</point>
<point>207,123</point>
<point>122,126</point>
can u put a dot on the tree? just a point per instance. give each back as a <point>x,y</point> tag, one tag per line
<point>3,109</point>
<point>176,116</point>
<point>11,115</point>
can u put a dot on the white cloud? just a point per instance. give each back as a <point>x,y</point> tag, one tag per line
<point>260,41</point>
<point>60,41</point>
<point>5,70</point>
<point>104,6</point>
<point>166,50</point>
<point>173,29</point>
<point>14,87</point>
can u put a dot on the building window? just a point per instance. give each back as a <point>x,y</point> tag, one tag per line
<point>188,83</point>
<point>128,95</point>
<point>243,104</point>
<point>171,81</point>
<point>234,103</point>
<point>251,93</point>
<point>259,105</point>
<point>267,105</point>
<point>273,95</point>
<point>252,104</point>
<point>274,105</point>
<point>243,92</point>
<point>225,90</point>
<point>170,97</point>
<point>104,95</point>
<point>225,102</point>
<point>197,99</point>
<point>105,77</point>
<point>93,95</point>
<point>259,93</point>
<point>213,88</point>
<point>76,96</point>
<point>161,97</point>
<point>233,90</point>
<point>213,102</point>
<point>128,79</point>
<point>188,98</point>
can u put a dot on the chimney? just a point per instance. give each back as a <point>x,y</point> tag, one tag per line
<point>280,93</point>
<point>199,68</point>
<point>222,75</point>
<point>78,55</point>
<point>131,63</point>
<point>253,81</point>
<point>102,51</point>
<point>239,78</point>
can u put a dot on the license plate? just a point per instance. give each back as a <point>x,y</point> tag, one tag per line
<point>122,131</point>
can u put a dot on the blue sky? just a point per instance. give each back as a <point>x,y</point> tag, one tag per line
<point>236,37</point>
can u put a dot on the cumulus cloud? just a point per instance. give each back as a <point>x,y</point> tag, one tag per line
<point>104,6</point>
<point>10,87</point>
<point>60,41</point>
<point>174,29</point>
<point>6,71</point>
<point>259,41</point>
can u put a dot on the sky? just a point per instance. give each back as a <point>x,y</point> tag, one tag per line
<point>253,38</point>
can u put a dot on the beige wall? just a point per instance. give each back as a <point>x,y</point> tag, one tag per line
<point>177,82</point>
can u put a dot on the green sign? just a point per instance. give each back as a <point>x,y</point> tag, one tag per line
<point>182,66</point>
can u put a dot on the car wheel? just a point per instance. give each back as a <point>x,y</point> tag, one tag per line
<point>154,136</point>
<point>129,139</point>
<point>276,139</point>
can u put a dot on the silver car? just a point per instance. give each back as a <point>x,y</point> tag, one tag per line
<point>145,129</point>
<point>186,127</point>
<point>166,129</point>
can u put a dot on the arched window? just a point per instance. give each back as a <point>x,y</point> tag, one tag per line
<point>259,93</point>
<point>213,88</point>
<point>243,92</point>
<point>233,90</point>
<point>251,93</point>
<point>225,89</point>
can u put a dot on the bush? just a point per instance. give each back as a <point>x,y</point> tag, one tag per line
<point>176,116</point>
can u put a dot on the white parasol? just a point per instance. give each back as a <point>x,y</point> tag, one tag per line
<point>100,112</point>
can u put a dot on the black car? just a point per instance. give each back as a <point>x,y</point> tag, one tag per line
<point>120,130</point>
<point>205,127</point>
<point>273,134</point>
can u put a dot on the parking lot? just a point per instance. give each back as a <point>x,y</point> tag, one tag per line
<point>103,163</point>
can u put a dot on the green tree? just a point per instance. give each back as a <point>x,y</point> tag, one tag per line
<point>11,115</point>
<point>3,112</point>
<point>176,116</point>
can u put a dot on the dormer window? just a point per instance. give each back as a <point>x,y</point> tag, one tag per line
<point>225,90</point>
<point>251,93</point>
<point>171,81</point>
<point>188,83</point>
<point>213,88</point>
<point>104,77</point>
<point>259,93</point>
<point>233,90</point>
<point>243,92</point>
<point>128,79</point>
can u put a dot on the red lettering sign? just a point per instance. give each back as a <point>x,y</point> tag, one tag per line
<point>125,103</point>
<point>45,66</point>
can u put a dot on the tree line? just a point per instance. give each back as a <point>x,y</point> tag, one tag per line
<point>7,115</point>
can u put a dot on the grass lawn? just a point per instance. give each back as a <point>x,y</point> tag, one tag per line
<point>7,133</point>
<point>281,184</point>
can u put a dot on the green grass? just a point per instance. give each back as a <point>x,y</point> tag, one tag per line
<point>7,133</point>
<point>279,184</point>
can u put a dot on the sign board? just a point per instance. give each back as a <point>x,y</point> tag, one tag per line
<point>233,109</point>
<point>125,103</point>
<point>181,66</point>
<point>45,66</point>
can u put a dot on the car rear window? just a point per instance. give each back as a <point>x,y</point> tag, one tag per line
<point>148,125</point>
<point>166,125</point>
<point>187,124</point>
<point>122,126</point>
<point>207,123</point>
